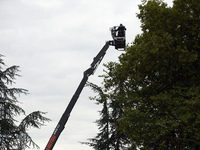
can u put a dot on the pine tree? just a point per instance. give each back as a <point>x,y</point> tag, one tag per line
<point>109,136</point>
<point>13,136</point>
<point>101,140</point>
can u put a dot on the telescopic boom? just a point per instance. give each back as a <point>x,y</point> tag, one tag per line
<point>118,34</point>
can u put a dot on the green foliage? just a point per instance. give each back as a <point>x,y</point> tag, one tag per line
<point>101,141</point>
<point>163,67</point>
<point>13,136</point>
<point>158,78</point>
<point>109,137</point>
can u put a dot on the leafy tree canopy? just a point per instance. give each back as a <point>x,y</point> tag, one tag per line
<point>159,76</point>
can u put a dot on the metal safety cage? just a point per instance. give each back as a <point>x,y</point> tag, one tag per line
<point>119,36</point>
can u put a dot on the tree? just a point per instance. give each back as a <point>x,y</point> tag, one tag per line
<point>159,76</point>
<point>101,141</point>
<point>109,136</point>
<point>13,136</point>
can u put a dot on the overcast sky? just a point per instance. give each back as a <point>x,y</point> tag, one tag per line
<point>54,42</point>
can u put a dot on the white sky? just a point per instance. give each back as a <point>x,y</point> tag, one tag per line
<point>54,42</point>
